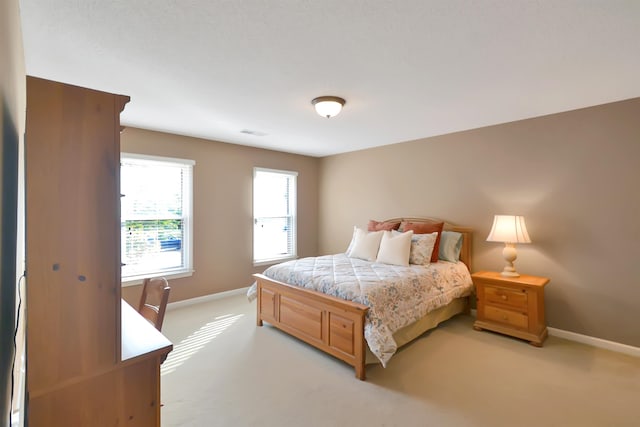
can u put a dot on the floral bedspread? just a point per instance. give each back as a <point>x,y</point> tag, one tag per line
<point>396,296</point>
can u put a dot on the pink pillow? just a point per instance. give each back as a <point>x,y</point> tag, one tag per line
<point>382,225</point>
<point>426,228</point>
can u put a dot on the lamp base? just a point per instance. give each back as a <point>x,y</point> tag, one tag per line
<point>509,253</point>
<point>506,273</point>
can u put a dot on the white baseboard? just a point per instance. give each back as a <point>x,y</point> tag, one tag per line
<point>560,333</point>
<point>595,342</point>
<point>589,340</point>
<point>205,298</point>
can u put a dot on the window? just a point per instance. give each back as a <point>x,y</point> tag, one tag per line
<point>274,215</point>
<point>155,219</point>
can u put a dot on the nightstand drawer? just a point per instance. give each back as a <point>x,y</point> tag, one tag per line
<point>515,298</point>
<point>507,317</point>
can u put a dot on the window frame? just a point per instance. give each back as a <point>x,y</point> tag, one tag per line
<point>293,206</point>
<point>187,223</point>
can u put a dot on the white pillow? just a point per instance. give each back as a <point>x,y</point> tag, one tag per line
<point>365,245</point>
<point>353,241</point>
<point>395,249</point>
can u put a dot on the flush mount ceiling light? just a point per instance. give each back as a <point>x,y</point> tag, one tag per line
<point>328,106</point>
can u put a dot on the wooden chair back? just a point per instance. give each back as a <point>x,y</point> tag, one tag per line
<point>153,301</point>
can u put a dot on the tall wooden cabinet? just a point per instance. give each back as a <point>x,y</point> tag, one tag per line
<point>90,361</point>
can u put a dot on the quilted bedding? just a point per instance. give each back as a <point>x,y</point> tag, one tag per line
<point>396,296</point>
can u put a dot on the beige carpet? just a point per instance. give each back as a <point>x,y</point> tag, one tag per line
<point>225,371</point>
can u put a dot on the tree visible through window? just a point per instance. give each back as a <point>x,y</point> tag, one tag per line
<point>274,215</point>
<point>155,216</point>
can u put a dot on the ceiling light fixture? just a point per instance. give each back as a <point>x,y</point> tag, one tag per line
<point>328,106</point>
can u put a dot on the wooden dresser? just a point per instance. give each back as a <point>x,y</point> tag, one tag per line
<point>511,305</point>
<point>91,359</point>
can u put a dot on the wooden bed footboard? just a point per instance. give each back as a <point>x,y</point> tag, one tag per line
<point>331,324</point>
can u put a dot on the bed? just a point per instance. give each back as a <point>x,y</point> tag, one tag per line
<point>345,322</point>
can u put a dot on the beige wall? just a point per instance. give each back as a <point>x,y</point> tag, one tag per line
<point>223,223</point>
<point>575,176</point>
<point>12,116</point>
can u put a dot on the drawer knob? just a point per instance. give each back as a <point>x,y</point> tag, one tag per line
<point>504,297</point>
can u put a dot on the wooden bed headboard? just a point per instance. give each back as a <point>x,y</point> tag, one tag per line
<point>467,234</point>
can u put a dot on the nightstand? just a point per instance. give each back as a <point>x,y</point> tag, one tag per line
<point>511,305</point>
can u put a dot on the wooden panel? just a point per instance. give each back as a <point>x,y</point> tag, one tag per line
<point>508,317</point>
<point>140,393</point>
<point>537,322</point>
<point>72,159</point>
<point>87,403</point>
<point>302,317</point>
<point>515,298</point>
<point>128,396</point>
<point>341,332</point>
<point>306,315</point>
<point>268,304</point>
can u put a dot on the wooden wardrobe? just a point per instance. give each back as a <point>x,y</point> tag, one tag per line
<point>91,359</point>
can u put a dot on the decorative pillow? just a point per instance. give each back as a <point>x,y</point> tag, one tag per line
<point>384,225</point>
<point>426,228</point>
<point>395,248</point>
<point>365,245</point>
<point>450,246</point>
<point>422,248</point>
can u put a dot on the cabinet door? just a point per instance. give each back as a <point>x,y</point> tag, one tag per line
<point>73,239</point>
<point>128,396</point>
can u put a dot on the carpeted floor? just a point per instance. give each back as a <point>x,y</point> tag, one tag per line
<point>225,371</point>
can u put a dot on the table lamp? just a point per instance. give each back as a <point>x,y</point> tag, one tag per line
<point>509,229</point>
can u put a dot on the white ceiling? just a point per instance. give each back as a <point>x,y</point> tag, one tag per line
<point>408,69</point>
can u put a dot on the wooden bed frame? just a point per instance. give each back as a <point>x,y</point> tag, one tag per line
<point>331,324</point>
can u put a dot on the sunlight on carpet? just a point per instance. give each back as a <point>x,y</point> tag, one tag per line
<point>197,340</point>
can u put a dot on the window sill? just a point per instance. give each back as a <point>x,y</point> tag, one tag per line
<point>273,261</point>
<point>134,281</point>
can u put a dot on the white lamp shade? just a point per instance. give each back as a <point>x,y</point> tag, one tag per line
<point>508,229</point>
<point>328,106</point>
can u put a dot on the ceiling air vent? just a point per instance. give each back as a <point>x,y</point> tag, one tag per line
<point>253,132</point>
